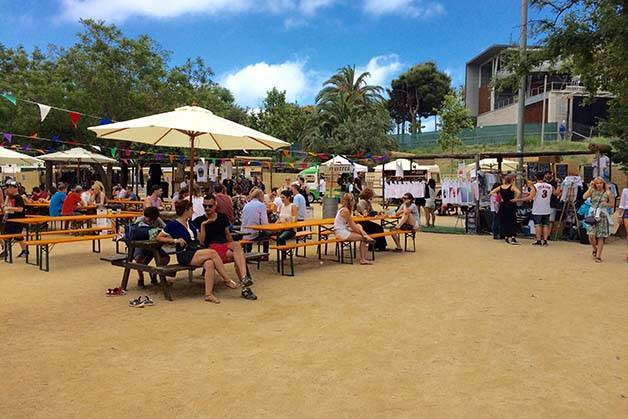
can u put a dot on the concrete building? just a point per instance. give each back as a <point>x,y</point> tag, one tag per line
<point>562,93</point>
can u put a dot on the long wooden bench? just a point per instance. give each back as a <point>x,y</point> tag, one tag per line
<point>76,231</point>
<point>164,271</point>
<point>43,246</point>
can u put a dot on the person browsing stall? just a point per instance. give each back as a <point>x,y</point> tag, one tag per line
<point>214,233</point>
<point>540,195</point>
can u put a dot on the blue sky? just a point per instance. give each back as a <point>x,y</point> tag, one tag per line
<point>253,45</point>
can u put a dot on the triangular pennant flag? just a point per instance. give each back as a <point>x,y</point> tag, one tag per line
<point>8,136</point>
<point>10,98</point>
<point>34,135</point>
<point>26,147</point>
<point>55,138</point>
<point>158,156</point>
<point>113,151</point>
<point>74,117</point>
<point>105,121</point>
<point>43,111</point>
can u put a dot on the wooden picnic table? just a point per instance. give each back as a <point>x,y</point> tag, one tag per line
<point>321,223</point>
<point>37,221</point>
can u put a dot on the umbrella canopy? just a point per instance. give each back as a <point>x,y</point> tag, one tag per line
<point>339,160</point>
<point>492,165</point>
<point>177,128</point>
<point>309,171</point>
<point>78,155</point>
<point>8,156</point>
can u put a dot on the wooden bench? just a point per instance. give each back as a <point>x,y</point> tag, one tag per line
<point>288,250</point>
<point>78,232</point>
<point>406,233</point>
<point>164,271</point>
<point>8,245</point>
<point>43,246</point>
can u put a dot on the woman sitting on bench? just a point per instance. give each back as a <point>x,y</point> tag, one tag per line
<point>288,213</point>
<point>346,229</point>
<point>190,252</point>
<point>410,217</point>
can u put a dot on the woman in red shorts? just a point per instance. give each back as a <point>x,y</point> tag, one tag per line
<point>214,233</point>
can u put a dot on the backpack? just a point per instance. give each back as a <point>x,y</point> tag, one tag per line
<point>138,231</point>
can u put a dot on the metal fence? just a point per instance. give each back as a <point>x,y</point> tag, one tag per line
<point>489,135</point>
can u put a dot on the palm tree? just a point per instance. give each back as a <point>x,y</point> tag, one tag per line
<point>353,90</point>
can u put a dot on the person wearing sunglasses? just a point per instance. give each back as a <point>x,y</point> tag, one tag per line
<point>214,234</point>
<point>410,217</point>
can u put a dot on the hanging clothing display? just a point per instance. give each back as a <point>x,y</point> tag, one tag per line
<point>570,183</point>
<point>211,172</point>
<point>602,170</point>
<point>226,169</point>
<point>200,170</point>
<point>395,189</point>
<point>459,191</point>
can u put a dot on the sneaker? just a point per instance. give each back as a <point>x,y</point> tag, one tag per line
<point>514,241</point>
<point>545,243</point>
<point>136,303</point>
<point>147,301</point>
<point>507,241</point>
<point>247,281</point>
<point>248,294</point>
<point>537,243</point>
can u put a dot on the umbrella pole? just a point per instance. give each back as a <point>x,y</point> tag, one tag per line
<point>192,138</point>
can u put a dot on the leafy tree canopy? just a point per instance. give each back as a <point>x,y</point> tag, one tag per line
<point>454,118</point>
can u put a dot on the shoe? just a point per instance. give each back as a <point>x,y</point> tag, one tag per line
<point>495,237</point>
<point>153,279</point>
<point>545,243</point>
<point>507,241</point>
<point>247,281</point>
<point>248,294</point>
<point>115,292</point>
<point>136,303</point>
<point>23,253</point>
<point>514,241</point>
<point>147,301</point>
<point>537,243</point>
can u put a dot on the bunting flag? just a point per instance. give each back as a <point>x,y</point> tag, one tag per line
<point>105,121</point>
<point>34,135</point>
<point>55,138</point>
<point>7,136</point>
<point>43,111</point>
<point>114,150</point>
<point>158,156</point>
<point>74,117</point>
<point>10,98</point>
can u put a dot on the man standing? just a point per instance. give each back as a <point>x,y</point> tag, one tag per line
<point>540,195</point>
<point>14,208</point>
<point>299,201</point>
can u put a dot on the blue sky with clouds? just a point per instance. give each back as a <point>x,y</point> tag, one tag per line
<point>253,45</point>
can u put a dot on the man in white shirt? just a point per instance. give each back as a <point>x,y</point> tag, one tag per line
<point>254,214</point>
<point>322,186</point>
<point>299,201</point>
<point>540,195</point>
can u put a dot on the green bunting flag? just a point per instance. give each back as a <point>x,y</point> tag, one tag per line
<point>10,98</point>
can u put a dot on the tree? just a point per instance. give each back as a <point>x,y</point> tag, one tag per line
<point>351,87</point>
<point>454,118</point>
<point>589,39</point>
<point>416,93</point>
<point>281,119</point>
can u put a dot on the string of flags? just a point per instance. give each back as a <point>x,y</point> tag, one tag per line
<point>44,110</point>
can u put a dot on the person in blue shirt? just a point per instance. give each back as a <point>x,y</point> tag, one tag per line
<point>299,201</point>
<point>56,202</point>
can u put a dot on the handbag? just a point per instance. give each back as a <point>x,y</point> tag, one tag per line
<point>590,220</point>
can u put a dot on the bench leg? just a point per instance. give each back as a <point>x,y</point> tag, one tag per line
<point>166,287</point>
<point>278,261</point>
<point>44,249</point>
<point>291,264</point>
<point>125,278</point>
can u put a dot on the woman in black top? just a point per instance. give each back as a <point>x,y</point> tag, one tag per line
<point>507,215</point>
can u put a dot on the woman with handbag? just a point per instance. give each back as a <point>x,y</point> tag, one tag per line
<point>597,222</point>
<point>507,215</point>
<point>182,233</point>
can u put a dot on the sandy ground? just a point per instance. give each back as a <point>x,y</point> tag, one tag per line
<point>466,327</point>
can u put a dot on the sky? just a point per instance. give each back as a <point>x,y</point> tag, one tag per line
<point>294,45</point>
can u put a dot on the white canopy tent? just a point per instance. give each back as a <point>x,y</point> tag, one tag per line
<point>340,160</point>
<point>492,165</point>
<point>407,165</point>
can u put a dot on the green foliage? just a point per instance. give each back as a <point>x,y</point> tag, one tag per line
<point>454,118</point>
<point>416,93</point>
<point>104,74</point>
<point>350,117</point>
<point>281,119</point>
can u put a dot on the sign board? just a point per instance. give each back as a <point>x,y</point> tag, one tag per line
<point>336,169</point>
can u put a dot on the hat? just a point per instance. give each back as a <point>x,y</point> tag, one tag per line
<point>11,182</point>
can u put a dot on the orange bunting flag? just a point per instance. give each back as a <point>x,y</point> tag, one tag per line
<point>74,117</point>
<point>286,153</point>
<point>34,135</point>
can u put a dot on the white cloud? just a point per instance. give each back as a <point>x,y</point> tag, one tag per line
<point>120,10</point>
<point>382,69</point>
<point>250,84</point>
<point>413,8</point>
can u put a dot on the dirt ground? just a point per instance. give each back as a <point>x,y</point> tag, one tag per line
<point>466,327</point>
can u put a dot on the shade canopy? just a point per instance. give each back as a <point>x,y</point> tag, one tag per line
<point>339,160</point>
<point>78,155</point>
<point>176,128</point>
<point>487,165</point>
<point>309,171</point>
<point>407,165</point>
<point>8,156</point>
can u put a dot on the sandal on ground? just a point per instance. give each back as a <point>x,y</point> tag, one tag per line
<point>248,294</point>
<point>212,299</point>
<point>366,262</point>
<point>230,284</point>
<point>398,249</point>
<point>598,260</point>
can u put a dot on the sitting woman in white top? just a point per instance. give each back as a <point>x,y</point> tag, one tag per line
<point>287,214</point>
<point>410,218</point>
<point>346,229</point>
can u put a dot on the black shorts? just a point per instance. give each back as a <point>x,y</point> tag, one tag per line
<point>185,257</point>
<point>420,202</point>
<point>12,228</point>
<point>542,220</point>
<point>407,227</point>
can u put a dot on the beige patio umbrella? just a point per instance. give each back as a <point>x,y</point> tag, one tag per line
<point>77,155</point>
<point>8,156</point>
<point>189,126</point>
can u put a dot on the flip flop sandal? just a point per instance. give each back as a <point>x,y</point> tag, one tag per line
<point>248,294</point>
<point>212,299</point>
<point>598,260</point>
<point>109,292</point>
<point>118,291</point>
<point>230,284</point>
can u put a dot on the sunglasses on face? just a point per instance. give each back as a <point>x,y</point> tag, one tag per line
<point>208,206</point>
